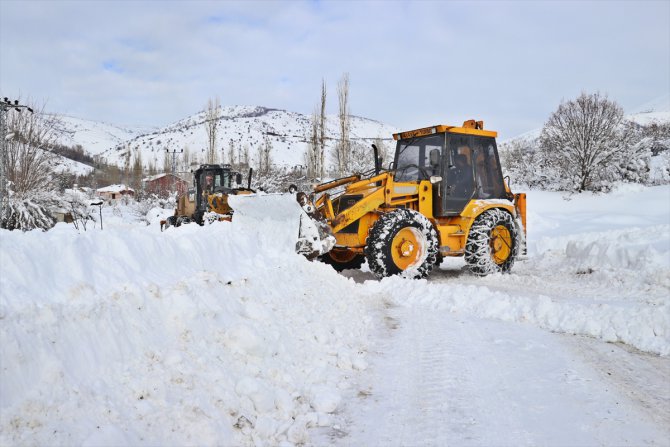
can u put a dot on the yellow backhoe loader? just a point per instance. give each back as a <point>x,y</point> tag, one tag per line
<point>208,198</point>
<point>443,195</point>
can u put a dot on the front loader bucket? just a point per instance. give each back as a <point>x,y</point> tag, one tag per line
<point>282,223</point>
<point>315,238</point>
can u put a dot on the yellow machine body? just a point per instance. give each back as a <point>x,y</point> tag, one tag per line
<point>419,197</point>
<point>370,198</point>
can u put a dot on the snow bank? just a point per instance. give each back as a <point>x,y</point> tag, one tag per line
<point>198,335</point>
<point>598,265</point>
<point>223,335</point>
<point>644,326</point>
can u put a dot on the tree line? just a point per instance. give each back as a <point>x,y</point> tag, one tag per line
<point>587,144</point>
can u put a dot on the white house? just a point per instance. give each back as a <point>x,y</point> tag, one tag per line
<point>112,193</point>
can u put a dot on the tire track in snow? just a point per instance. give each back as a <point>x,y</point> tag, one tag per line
<point>445,379</point>
<point>426,391</point>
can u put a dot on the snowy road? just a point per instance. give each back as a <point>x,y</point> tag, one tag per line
<point>440,378</point>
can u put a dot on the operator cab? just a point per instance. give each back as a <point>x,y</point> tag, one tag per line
<point>216,179</point>
<point>461,162</point>
<point>210,179</point>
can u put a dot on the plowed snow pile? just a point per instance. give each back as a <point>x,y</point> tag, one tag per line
<point>214,335</point>
<point>598,265</point>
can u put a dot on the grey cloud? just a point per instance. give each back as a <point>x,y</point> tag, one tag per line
<point>411,63</point>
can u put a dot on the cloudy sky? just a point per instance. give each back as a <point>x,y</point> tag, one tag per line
<point>411,63</point>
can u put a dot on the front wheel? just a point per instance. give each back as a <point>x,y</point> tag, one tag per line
<point>493,243</point>
<point>403,241</point>
<point>342,259</point>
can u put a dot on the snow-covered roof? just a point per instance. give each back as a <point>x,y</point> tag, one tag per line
<point>115,188</point>
<point>151,178</point>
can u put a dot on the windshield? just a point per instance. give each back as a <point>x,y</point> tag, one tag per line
<point>213,181</point>
<point>418,158</point>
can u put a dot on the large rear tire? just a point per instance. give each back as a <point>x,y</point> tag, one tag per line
<point>342,259</point>
<point>402,241</point>
<point>493,243</point>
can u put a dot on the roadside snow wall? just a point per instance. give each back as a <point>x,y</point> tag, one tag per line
<point>215,335</point>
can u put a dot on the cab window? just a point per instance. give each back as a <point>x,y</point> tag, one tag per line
<point>488,175</point>
<point>414,161</point>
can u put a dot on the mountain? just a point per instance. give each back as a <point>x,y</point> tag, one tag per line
<point>95,137</point>
<point>247,126</point>
<point>655,111</point>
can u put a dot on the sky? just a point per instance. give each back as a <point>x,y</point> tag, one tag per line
<point>410,63</point>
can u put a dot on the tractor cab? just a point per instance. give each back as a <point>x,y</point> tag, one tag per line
<point>212,184</point>
<point>461,162</point>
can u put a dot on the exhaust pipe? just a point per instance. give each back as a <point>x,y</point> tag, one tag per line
<point>378,162</point>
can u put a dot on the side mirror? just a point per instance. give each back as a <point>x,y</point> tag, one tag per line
<point>238,178</point>
<point>435,179</point>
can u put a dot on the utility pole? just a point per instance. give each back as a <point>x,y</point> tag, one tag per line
<point>6,106</point>
<point>174,164</point>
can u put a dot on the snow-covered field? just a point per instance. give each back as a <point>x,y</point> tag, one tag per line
<point>221,335</point>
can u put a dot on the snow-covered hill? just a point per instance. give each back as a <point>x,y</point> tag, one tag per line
<point>66,165</point>
<point>95,137</point>
<point>244,126</point>
<point>655,111</point>
<point>249,126</point>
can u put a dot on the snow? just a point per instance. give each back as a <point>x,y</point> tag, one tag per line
<point>655,111</point>
<point>131,336</point>
<point>244,125</point>
<point>446,378</point>
<point>65,165</point>
<point>114,188</point>
<point>95,137</point>
<point>221,334</point>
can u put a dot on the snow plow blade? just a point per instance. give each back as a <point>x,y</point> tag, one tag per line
<point>290,224</point>
<point>315,236</point>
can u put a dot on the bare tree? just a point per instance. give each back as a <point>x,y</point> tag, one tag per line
<point>212,119</point>
<point>126,166</point>
<point>245,156</point>
<point>167,165</point>
<point>343,148</point>
<point>186,159</point>
<point>29,163</point>
<point>137,170</point>
<point>524,162</point>
<point>231,154</point>
<point>30,169</point>
<point>362,157</point>
<point>322,132</point>
<point>264,156</point>
<point>584,140</point>
<point>313,154</point>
